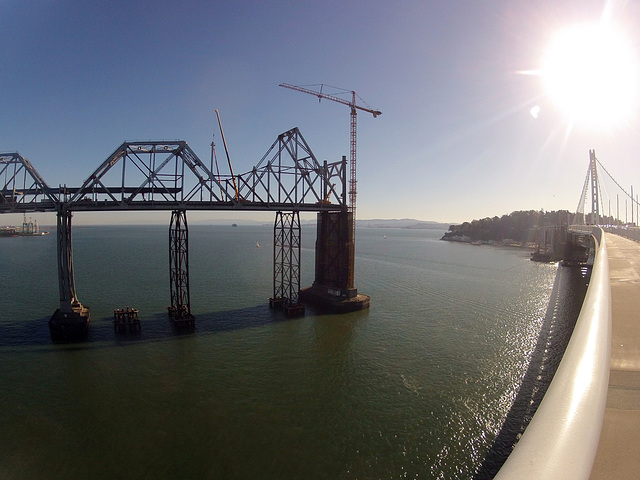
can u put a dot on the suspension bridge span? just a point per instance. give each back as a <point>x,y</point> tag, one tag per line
<point>169,176</point>
<point>586,425</point>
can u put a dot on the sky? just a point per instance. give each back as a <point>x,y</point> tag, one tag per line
<point>469,128</point>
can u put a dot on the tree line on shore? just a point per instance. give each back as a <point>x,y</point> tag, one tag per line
<point>520,226</point>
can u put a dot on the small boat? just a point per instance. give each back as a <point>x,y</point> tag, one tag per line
<point>258,245</point>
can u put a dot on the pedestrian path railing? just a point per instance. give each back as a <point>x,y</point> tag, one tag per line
<point>562,438</point>
<point>632,233</point>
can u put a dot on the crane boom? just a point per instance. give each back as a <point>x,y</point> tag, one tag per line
<point>322,95</point>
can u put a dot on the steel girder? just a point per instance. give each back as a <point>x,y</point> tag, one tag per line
<point>179,266</point>
<point>168,175</point>
<point>146,173</point>
<point>289,174</point>
<point>22,188</point>
<point>286,259</point>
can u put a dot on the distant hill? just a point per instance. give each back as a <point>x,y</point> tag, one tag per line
<point>375,223</point>
<point>402,223</point>
<point>229,221</point>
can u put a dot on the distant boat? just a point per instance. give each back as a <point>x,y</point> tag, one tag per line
<point>18,232</point>
<point>257,245</point>
<point>234,224</point>
<point>8,232</point>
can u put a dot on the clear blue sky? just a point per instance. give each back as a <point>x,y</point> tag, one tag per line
<point>456,140</point>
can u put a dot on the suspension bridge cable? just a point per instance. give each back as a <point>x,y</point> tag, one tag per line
<point>583,196</point>
<point>615,181</point>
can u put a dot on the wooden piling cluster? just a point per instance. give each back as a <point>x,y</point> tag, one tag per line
<point>126,320</point>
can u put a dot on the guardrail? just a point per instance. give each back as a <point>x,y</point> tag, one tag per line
<point>562,438</point>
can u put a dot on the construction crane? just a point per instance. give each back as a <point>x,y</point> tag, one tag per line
<point>233,177</point>
<point>352,158</point>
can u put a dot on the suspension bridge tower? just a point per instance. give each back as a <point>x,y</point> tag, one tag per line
<point>591,180</point>
<point>595,211</point>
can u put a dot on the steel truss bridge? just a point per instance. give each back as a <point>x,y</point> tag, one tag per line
<point>168,175</point>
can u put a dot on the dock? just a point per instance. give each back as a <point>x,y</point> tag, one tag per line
<point>618,455</point>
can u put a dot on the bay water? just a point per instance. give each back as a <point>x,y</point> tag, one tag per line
<point>418,386</point>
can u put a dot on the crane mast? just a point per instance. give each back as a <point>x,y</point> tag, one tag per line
<point>354,107</point>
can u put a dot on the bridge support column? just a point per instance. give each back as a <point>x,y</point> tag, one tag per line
<point>286,264</point>
<point>551,244</point>
<point>71,320</point>
<point>180,309</point>
<point>333,287</point>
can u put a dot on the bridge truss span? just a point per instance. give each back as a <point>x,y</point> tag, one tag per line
<point>162,175</point>
<point>22,187</point>
<point>168,175</point>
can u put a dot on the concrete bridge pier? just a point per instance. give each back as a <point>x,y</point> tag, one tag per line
<point>333,288</point>
<point>550,243</point>
<point>71,320</point>
<point>180,308</point>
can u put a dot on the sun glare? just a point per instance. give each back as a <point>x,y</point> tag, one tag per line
<point>591,74</point>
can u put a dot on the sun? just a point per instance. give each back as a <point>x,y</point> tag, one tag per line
<point>591,74</point>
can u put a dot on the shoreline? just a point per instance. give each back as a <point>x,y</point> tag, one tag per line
<point>494,243</point>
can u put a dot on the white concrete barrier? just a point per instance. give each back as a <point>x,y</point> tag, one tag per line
<point>562,438</point>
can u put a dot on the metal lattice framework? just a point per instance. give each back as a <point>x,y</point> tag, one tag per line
<point>286,258</point>
<point>21,187</point>
<point>180,308</point>
<point>168,175</point>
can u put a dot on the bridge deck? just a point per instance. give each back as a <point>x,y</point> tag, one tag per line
<point>618,453</point>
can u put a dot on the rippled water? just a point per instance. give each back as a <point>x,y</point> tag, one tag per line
<point>417,387</point>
